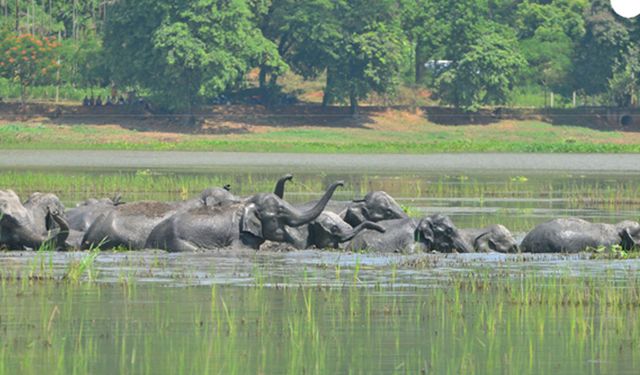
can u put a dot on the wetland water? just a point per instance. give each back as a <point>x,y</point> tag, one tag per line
<point>328,312</point>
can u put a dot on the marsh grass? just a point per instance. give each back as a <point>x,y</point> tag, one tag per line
<point>76,269</point>
<point>475,322</point>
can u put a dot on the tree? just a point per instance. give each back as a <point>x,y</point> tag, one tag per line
<point>549,33</point>
<point>369,61</point>
<point>425,24</point>
<point>368,54</point>
<point>183,51</point>
<point>624,84</point>
<point>602,48</point>
<point>485,72</point>
<point>28,59</point>
<point>548,53</point>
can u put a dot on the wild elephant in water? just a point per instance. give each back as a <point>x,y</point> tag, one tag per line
<point>327,231</point>
<point>495,237</point>
<point>30,225</point>
<point>129,225</point>
<point>431,233</point>
<point>85,213</point>
<point>572,235</point>
<point>247,224</point>
<point>375,206</point>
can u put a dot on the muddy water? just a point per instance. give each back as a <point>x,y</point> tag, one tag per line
<point>328,312</point>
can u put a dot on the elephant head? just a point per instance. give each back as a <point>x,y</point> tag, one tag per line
<point>438,233</point>
<point>376,206</point>
<point>329,230</point>
<point>629,232</point>
<point>23,228</point>
<point>218,196</point>
<point>266,215</point>
<point>495,238</point>
<point>45,202</point>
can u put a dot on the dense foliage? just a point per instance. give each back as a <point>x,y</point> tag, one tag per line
<point>470,53</point>
<point>28,59</point>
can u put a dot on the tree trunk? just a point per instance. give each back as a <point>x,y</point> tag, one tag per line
<point>419,65</point>
<point>273,80</point>
<point>262,78</point>
<point>17,16</point>
<point>353,103</point>
<point>327,98</point>
<point>23,94</point>
<point>73,20</point>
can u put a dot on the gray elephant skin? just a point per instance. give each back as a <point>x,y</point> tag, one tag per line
<point>495,237</point>
<point>435,232</point>
<point>32,224</point>
<point>85,213</point>
<point>572,235</point>
<point>376,206</point>
<point>327,231</point>
<point>242,225</point>
<point>129,225</point>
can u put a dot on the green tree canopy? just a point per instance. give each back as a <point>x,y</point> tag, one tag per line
<point>183,51</point>
<point>485,73</point>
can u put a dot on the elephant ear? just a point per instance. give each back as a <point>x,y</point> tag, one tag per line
<point>355,214</point>
<point>12,208</point>
<point>424,233</point>
<point>250,221</point>
<point>630,238</point>
<point>327,221</point>
<point>484,243</point>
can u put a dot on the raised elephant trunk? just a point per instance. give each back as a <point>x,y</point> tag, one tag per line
<point>63,232</point>
<point>300,218</point>
<point>279,189</point>
<point>347,236</point>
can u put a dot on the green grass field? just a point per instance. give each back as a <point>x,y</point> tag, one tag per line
<point>387,133</point>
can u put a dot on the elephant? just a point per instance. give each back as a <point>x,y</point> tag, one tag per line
<point>243,225</point>
<point>40,205</point>
<point>492,238</point>
<point>328,230</point>
<point>33,224</point>
<point>128,225</point>
<point>85,213</point>
<point>431,233</point>
<point>572,235</point>
<point>376,206</point>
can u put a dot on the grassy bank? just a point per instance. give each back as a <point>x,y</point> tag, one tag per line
<point>380,132</point>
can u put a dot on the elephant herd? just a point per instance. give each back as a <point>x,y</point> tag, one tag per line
<point>218,219</point>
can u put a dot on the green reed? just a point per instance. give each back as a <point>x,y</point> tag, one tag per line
<point>478,322</point>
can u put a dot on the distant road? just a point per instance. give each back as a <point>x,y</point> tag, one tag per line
<point>23,159</point>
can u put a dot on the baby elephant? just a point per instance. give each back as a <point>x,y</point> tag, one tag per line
<point>492,238</point>
<point>572,235</point>
<point>435,232</point>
